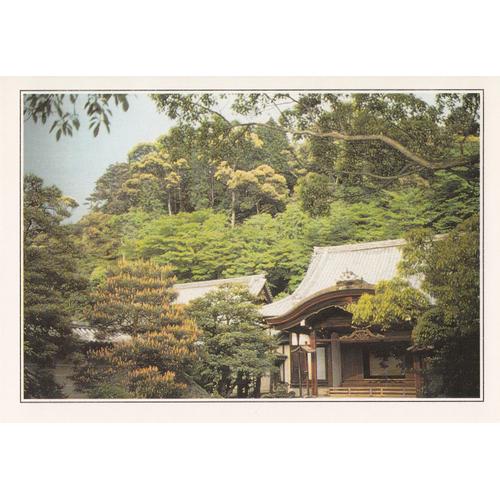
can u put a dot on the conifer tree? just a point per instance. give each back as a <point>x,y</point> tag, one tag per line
<point>137,299</point>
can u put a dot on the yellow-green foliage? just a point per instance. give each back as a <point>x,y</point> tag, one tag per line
<point>394,303</point>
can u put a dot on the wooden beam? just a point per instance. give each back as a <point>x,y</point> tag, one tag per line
<point>314,364</point>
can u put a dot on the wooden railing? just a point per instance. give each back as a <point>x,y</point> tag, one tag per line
<point>373,392</point>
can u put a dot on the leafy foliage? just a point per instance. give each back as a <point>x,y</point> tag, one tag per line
<point>45,107</point>
<point>315,193</point>
<point>395,303</point>
<point>236,347</point>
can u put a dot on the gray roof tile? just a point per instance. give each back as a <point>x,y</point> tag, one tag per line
<point>190,291</point>
<point>374,261</point>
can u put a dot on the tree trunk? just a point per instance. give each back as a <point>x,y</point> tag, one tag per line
<point>245,386</point>
<point>239,386</point>
<point>212,188</point>
<point>233,208</point>
<point>169,204</point>
<point>256,391</point>
<point>181,204</point>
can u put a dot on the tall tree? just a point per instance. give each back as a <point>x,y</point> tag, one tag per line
<point>257,186</point>
<point>450,266</point>
<point>52,284</point>
<point>108,196</point>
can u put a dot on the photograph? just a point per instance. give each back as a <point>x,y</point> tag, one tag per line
<point>251,245</point>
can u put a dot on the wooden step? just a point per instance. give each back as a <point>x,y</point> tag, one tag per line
<point>381,391</point>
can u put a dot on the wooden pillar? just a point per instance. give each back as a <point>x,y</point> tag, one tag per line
<point>314,364</point>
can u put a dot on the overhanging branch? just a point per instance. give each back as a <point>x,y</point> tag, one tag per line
<point>389,141</point>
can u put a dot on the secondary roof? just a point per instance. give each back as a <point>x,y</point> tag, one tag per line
<point>186,292</point>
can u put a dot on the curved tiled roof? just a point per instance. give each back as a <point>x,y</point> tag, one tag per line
<point>373,262</point>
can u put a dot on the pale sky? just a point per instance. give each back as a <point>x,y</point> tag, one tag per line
<point>75,163</point>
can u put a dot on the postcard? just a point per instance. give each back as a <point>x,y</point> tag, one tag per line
<point>249,249</point>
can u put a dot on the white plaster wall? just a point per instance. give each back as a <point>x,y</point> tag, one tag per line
<point>265,384</point>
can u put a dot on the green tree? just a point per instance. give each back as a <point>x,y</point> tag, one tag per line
<point>450,266</point>
<point>258,186</point>
<point>198,244</point>
<point>104,238</point>
<point>52,285</point>
<point>108,196</point>
<point>237,350</point>
<point>315,193</point>
<point>155,176</point>
<point>395,303</point>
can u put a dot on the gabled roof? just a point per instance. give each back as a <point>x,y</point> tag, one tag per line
<point>372,262</point>
<point>187,292</point>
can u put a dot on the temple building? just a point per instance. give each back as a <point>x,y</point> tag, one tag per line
<point>322,353</point>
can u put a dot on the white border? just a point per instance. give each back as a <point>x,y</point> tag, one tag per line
<point>416,84</point>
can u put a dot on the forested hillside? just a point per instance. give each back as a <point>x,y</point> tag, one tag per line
<point>216,198</point>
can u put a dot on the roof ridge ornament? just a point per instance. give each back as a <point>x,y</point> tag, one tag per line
<point>348,276</point>
<point>348,279</point>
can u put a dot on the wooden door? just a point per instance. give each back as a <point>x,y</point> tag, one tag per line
<point>295,356</point>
